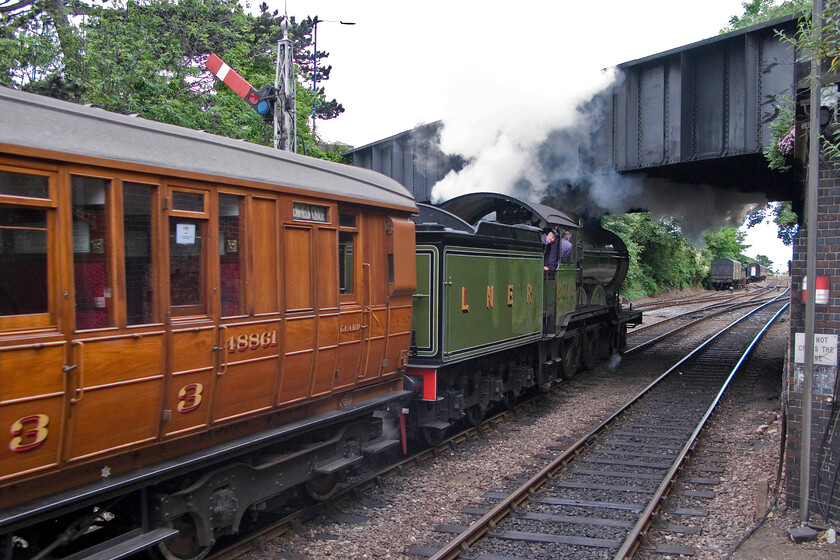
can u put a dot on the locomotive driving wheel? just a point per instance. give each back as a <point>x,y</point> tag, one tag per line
<point>570,358</point>
<point>589,349</point>
<point>184,545</point>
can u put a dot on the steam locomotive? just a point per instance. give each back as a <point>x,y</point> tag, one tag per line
<point>193,328</point>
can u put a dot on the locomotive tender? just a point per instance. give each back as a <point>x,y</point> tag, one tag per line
<point>487,325</point>
<point>193,328</point>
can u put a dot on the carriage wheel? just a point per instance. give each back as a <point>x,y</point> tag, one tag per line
<point>474,415</point>
<point>322,487</point>
<point>509,399</point>
<point>432,436</point>
<point>184,545</point>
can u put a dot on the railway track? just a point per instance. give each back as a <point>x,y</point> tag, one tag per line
<point>256,536</point>
<point>644,336</point>
<point>600,496</point>
<point>708,297</point>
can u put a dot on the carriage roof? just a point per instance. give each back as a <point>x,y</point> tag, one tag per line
<point>52,127</point>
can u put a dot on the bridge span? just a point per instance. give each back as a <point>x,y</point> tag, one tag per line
<point>700,114</point>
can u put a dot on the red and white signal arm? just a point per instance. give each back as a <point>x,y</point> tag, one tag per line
<point>229,76</point>
<point>821,296</point>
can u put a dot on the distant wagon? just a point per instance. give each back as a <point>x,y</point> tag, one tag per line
<point>756,273</point>
<point>727,273</point>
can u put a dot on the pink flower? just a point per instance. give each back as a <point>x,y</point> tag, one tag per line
<point>785,143</point>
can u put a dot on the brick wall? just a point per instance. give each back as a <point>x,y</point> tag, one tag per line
<point>825,425</point>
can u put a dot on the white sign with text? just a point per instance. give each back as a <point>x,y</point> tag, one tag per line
<point>825,349</point>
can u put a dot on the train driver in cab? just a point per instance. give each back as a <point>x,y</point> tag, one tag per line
<point>566,247</point>
<point>551,254</point>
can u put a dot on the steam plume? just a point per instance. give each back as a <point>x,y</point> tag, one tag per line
<point>547,159</point>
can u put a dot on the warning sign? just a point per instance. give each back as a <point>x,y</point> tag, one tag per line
<point>825,349</point>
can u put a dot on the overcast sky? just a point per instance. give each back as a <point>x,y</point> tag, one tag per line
<point>499,74</point>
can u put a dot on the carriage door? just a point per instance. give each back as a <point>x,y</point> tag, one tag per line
<point>32,352</point>
<point>374,282</point>
<point>106,389</point>
<point>194,338</point>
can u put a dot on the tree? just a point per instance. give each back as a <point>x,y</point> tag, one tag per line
<point>660,257</point>
<point>147,57</point>
<point>783,215</point>
<point>759,11</point>
<point>764,261</point>
<point>725,243</point>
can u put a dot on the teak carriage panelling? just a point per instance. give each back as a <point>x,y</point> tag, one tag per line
<point>133,407</point>
<point>46,415</point>
<point>263,231</point>
<point>35,401</point>
<point>117,381</point>
<point>245,387</point>
<point>297,369</point>
<point>325,362</point>
<point>399,337</point>
<point>133,387</point>
<point>192,348</point>
<point>349,349</point>
<point>249,368</point>
<point>188,402</point>
<point>326,269</point>
<point>298,268</point>
<point>401,247</point>
<point>110,360</point>
<point>43,367</point>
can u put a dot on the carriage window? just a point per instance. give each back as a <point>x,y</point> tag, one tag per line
<point>91,241</point>
<point>186,265</point>
<point>188,202</point>
<point>230,254</point>
<point>345,262</point>
<point>18,184</point>
<point>137,227</point>
<point>23,259</point>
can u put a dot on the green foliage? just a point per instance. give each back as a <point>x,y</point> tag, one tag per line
<point>660,257</point>
<point>759,11</point>
<point>783,216</point>
<point>779,153</point>
<point>764,261</point>
<point>147,57</point>
<point>725,243</point>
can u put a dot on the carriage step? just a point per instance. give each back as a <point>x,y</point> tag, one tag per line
<point>335,465</point>
<point>379,445</point>
<point>125,546</point>
<point>435,425</point>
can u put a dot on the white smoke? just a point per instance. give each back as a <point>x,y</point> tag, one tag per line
<point>543,156</point>
<point>503,143</point>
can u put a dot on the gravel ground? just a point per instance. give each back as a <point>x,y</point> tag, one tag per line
<point>744,435</point>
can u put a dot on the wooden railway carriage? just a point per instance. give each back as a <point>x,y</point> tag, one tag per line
<point>169,300</point>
